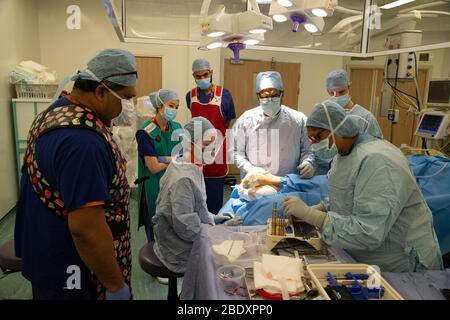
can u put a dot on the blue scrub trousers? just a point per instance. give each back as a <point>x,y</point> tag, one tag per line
<point>214,194</point>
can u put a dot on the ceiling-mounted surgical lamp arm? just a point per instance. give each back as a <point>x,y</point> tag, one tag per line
<point>205,8</point>
<point>253,6</point>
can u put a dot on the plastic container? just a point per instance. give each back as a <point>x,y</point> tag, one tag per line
<point>35,91</point>
<point>231,278</point>
<point>253,245</point>
<point>318,273</point>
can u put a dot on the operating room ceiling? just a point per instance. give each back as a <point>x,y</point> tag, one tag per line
<point>178,20</point>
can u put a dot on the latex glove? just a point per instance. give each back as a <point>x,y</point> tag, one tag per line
<point>122,294</point>
<point>162,159</point>
<point>222,217</point>
<point>306,170</point>
<point>319,207</point>
<point>293,206</point>
<point>236,221</point>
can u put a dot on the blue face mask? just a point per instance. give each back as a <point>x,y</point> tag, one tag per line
<point>341,100</point>
<point>321,149</point>
<point>169,114</point>
<point>271,106</point>
<point>203,84</point>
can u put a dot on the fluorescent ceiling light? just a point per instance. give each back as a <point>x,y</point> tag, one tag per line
<point>285,3</point>
<point>279,18</point>
<point>395,4</point>
<point>251,42</point>
<point>263,1</point>
<point>256,31</point>
<point>310,27</point>
<point>214,45</point>
<point>319,12</point>
<point>216,34</point>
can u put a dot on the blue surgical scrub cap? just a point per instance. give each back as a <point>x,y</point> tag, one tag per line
<point>269,79</point>
<point>337,79</point>
<point>113,65</point>
<point>162,96</point>
<point>199,123</point>
<point>200,64</point>
<point>319,119</point>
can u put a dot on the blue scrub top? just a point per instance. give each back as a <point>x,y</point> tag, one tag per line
<point>145,145</point>
<point>78,163</point>
<point>227,105</point>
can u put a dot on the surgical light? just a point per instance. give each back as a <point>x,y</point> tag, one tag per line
<point>319,12</point>
<point>216,34</point>
<point>279,18</point>
<point>310,27</point>
<point>257,31</point>
<point>263,1</point>
<point>395,4</point>
<point>285,3</point>
<point>320,8</point>
<point>214,45</point>
<point>251,42</point>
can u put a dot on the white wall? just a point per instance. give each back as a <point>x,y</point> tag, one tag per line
<point>313,71</point>
<point>20,41</point>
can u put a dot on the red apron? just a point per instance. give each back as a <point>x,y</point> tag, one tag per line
<point>213,112</point>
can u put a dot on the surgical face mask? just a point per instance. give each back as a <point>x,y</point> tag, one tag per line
<point>322,149</point>
<point>203,84</point>
<point>169,113</point>
<point>270,106</point>
<point>341,100</point>
<point>126,116</point>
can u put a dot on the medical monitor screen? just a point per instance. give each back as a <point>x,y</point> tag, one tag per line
<point>430,124</point>
<point>439,92</point>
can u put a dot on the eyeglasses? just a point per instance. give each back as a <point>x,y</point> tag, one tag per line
<point>318,137</point>
<point>263,96</point>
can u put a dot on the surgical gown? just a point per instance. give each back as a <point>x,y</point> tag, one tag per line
<point>253,145</point>
<point>180,211</point>
<point>377,211</point>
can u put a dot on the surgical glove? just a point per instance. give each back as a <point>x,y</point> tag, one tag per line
<point>319,207</point>
<point>293,206</point>
<point>162,159</point>
<point>221,218</point>
<point>306,170</point>
<point>236,221</point>
<point>122,294</point>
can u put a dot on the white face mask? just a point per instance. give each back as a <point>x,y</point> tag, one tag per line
<point>128,114</point>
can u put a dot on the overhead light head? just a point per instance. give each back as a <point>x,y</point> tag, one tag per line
<point>254,22</point>
<point>214,45</point>
<point>216,34</point>
<point>279,18</point>
<point>320,8</point>
<point>319,12</point>
<point>257,31</point>
<point>251,42</point>
<point>285,3</point>
<point>311,28</point>
<point>395,4</point>
<point>314,24</point>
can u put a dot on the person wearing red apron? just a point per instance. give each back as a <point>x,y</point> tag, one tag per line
<point>214,103</point>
